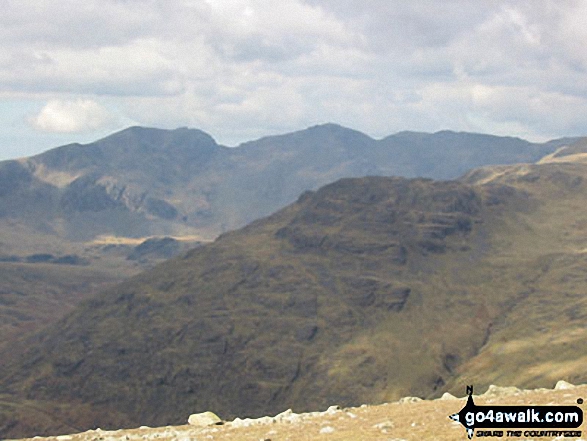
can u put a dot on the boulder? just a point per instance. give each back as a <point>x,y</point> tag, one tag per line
<point>561,385</point>
<point>204,419</point>
<point>497,391</point>
<point>409,400</point>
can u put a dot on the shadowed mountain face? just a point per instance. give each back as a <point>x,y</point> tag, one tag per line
<point>143,182</point>
<point>363,291</point>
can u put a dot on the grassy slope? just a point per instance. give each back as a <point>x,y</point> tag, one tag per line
<point>309,306</point>
<point>543,337</point>
<point>31,296</point>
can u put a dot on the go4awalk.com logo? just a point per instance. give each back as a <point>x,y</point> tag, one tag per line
<point>515,421</point>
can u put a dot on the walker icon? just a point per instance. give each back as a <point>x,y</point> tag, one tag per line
<point>459,417</point>
<point>515,417</point>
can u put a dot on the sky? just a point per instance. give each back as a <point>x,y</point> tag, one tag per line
<point>78,70</point>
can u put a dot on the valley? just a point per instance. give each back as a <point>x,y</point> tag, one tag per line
<point>361,291</point>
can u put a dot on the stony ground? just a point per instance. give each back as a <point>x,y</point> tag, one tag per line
<point>409,419</point>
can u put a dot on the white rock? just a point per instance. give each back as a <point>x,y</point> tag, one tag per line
<point>288,416</point>
<point>327,429</point>
<point>247,422</point>
<point>497,391</point>
<point>447,396</point>
<point>332,409</point>
<point>237,422</point>
<point>409,400</point>
<point>388,424</point>
<point>283,415</point>
<point>294,418</point>
<point>562,385</point>
<point>203,419</point>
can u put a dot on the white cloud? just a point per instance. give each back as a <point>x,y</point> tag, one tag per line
<point>242,68</point>
<point>71,116</point>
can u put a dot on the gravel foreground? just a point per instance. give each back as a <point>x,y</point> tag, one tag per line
<point>409,419</point>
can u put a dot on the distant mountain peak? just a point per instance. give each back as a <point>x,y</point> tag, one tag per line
<point>152,134</point>
<point>332,128</point>
<point>327,126</point>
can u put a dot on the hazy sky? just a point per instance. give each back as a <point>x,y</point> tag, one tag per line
<point>76,70</point>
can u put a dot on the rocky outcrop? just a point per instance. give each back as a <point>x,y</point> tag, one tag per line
<point>204,419</point>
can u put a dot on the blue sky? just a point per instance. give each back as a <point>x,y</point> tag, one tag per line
<point>74,71</point>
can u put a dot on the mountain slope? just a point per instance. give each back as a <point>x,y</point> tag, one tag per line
<point>248,323</point>
<point>543,335</point>
<point>86,204</point>
<point>142,182</point>
<point>364,291</point>
<point>448,155</point>
<point>34,295</point>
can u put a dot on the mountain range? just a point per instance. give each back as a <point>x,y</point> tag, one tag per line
<point>364,290</point>
<point>78,218</point>
<point>142,182</point>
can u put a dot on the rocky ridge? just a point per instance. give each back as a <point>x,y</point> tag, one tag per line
<point>149,182</point>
